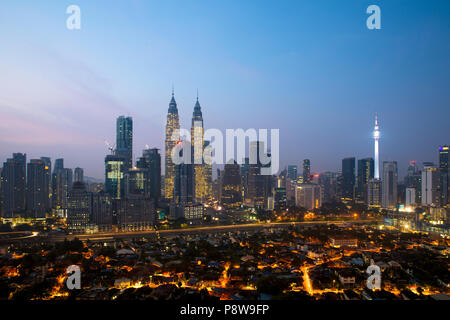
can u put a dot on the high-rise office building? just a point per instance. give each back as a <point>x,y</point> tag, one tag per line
<point>389,185</point>
<point>172,137</point>
<point>14,185</point>
<point>102,211</point>
<point>328,182</point>
<point>430,185</point>
<point>374,193</point>
<point>307,171</point>
<point>231,186</point>
<point>444,185</point>
<point>184,185</point>
<point>202,182</point>
<point>78,208</point>
<point>124,140</point>
<point>413,179</point>
<point>256,182</point>
<point>348,178</point>
<point>308,195</point>
<point>292,172</point>
<point>48,179</point>
<point>115,168</point>
<point>63,185</point>
<point>59,166</point>
<point>365,173</point>
<point>137,182</point>
<point>78,175</point>
<point>410,197</point>
<point>151,160</point>
<point>37,189</point>
<point>135,213</point>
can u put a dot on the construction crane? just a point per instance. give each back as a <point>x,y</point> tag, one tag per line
<point>111,148</point>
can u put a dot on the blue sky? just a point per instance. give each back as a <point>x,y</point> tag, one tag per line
<point>310,68</point>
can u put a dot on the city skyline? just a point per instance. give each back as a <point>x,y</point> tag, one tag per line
<point>276,81</point>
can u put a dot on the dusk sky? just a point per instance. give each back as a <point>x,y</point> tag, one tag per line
<point>309,68</point>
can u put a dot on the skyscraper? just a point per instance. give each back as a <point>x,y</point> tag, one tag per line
<point>137,182</point>
<point>413,179</point>
<point>79,206</point>
<point>292,172</point>
<point>231,195</point>
<point>48,179</point>
<point>376,136</point>
<point>37,187</point>
<point>389,185</point>
<point>365,173</point>
<point>202,183</point>
<point>115,168</point>
<point>172,137</point>
<point>307,171</point>
<point>151,160</point>
<point>348,178</point>
<point>430,185</point>
<point>63,185</point>
<point>14,185</point>
<point>124,140</point>
<point>444,185</point>
<point>184,186</point>
<point>79,175</point>
<point>308,195</point>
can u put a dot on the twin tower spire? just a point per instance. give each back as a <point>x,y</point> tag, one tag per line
<point>172,125</point>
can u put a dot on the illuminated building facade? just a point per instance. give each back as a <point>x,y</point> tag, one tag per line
<point>193,212</point>
<point>231,196</point>
<point>307,171</point>
<point>292,172</point>
<point>430,185</point>
<point>410,197</point>
<point>124,140</point>
<point>115,168</point>
<point>78,208</point>
<point>444,185</point>
<point>374,193</point>
<point>202,171</point>
<point>172,137</point>
<point>376,137</point>
<point>308,195</point>
<point>48,180</point>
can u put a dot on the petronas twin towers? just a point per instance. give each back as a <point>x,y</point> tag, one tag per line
<point>202,171</point>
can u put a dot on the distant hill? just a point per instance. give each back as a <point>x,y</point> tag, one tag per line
<point>93,180</point>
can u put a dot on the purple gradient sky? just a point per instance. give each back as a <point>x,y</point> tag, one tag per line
<point>309,68</point>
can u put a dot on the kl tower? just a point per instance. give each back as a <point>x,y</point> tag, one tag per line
<point>376,136</point>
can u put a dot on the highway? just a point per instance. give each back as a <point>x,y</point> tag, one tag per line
<point>8,237</point>
<point>197,230</point>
